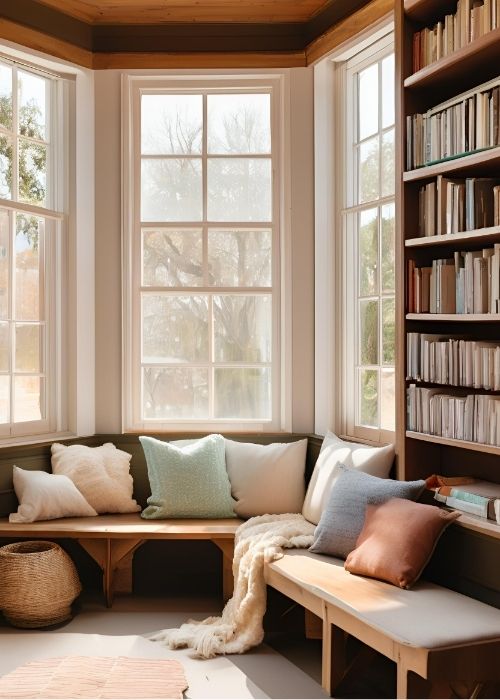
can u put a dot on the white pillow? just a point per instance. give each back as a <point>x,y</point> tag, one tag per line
<point>376,461</point>
<point>266,478</point>
<point>101,474</point>
<point>44,496</point>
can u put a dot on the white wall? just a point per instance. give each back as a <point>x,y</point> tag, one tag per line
<point>108,249</point>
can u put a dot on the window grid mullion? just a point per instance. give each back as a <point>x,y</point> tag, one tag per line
<point>15,135</point>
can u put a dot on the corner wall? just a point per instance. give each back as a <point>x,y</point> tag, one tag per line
<point>108,248</point>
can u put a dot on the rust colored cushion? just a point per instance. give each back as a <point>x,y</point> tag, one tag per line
<point>397,540</point>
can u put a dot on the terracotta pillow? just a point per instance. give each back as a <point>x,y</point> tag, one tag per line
<point>397,540</point>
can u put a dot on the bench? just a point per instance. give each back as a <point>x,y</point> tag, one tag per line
<point>438,634</point>
<point>111,540</point>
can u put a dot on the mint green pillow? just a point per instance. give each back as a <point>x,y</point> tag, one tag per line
<point>188,482</point>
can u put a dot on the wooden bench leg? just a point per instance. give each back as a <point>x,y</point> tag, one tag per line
<point>109,554</point>
<point>410,685</point>
<point>227,549</point>
<point>334,661</point>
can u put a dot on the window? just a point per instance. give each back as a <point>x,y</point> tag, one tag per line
<point>369,247</point>
<point>203,343</point>
<point>30,230</point>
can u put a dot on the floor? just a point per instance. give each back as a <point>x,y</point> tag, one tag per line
<point>95,630</point>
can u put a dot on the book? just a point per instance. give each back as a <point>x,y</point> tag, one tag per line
<point>477,497</point>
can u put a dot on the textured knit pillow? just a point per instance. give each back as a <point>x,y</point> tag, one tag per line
<point>344,515</point>
<point>266,478</point>
<point>44,496</point>
<point>376,461</point>
<point>101,474</point>
<point>188,482</point>
<point>397,540</point>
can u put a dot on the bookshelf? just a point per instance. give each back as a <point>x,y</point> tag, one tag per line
<point>466,69</point>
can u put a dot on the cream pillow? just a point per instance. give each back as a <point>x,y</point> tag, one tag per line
<point>44,496</point>
<point>266,478</point>
<point>101,474</point>
<point>376,461</point>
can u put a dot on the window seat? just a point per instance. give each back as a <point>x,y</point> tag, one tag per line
<point>432,631</point>
<point>111,540</point>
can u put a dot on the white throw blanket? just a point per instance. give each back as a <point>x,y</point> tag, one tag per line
<point>259,540</point>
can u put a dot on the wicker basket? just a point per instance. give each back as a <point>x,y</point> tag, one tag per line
<point>38,583</point>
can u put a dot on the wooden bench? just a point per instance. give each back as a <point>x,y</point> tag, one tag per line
<point>438,634</point>
<point>111,540</point>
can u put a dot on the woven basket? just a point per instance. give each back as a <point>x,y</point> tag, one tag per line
<point>38,583</point>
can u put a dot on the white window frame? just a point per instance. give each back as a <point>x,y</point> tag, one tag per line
<point>133,87</point>
<point>333,348</point>
<point>351,425</point>
<point>53,269</point>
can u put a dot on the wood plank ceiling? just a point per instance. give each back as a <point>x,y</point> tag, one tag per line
<point>150,12</point>
<point>186,33</point>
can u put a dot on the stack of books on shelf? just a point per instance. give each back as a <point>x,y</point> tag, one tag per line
<point>452,205</point>
<point>481,498</point>
<point>471,417</point>
<point>453,361</point>
<point>468,122</point>
<point>472,19</point>
<point>468,283</point>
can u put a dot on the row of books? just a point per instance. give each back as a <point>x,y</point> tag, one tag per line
<point>474,417</point>
<point>453,361</point>
<point>473,19</point>
<point>469,123</point>
<point>481,498</point>
<point>452,205</point>
<point>468,283</point>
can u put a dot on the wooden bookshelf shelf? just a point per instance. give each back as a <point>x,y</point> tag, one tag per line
<point>459,71</point>
<point>480,235</point>
<point>467,318</point>
<point>451,442</point>
<point>428,10</point>
<point>477,524</point>
<point>482,163</point>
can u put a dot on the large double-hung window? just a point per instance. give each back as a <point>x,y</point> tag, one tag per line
<point>31,216</point>
<point>201,243</point>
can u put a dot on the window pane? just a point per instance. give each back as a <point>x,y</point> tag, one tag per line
<point>369,170</point>
<point>388,331</point>
<point>368,397</point>
<point>242,328</point>
<point>239,189</point>
<point>387,400</point>
<point>177,392</point>
<point>368,101</point>
<point>388,101</point>
<point>4,347</point>
<point>5,96</point>
<point>29,285</point>
<point>175,328</point>
<point>32,99</point>
<point>4,399</point>
<point>5,168</point>
<point>171,189</point>
<point>32,172</point>
<point>172,258</point>
<point>368,253</point>
<point>368,332</point>
<point>4,263</point>
<point>243,393</point>
<point>388,176</point>
<point>239,123</point>
<point>28,399</point>
<point>240,258</point>
<point>171,124</point>
<point>388,248</point>
<point>28,348</point>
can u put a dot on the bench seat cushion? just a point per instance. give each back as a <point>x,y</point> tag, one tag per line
<point>427,616</point>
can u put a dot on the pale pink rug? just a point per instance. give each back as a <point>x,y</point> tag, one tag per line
<point>95,677</point>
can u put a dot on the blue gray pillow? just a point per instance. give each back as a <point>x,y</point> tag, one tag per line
<point>344,514</point>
